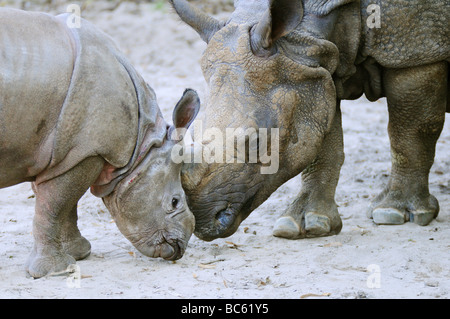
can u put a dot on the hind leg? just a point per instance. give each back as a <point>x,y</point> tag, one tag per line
<point>417,99</point>
<point>58,241</point>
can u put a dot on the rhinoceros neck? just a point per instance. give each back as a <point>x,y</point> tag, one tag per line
<point>152,136</point>
<point>151,132</point>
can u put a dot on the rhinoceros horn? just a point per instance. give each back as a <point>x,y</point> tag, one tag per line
<point>205,25</point>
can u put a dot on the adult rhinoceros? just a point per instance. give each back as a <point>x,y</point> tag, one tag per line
<point>75,114</point>
<point>287,64</point>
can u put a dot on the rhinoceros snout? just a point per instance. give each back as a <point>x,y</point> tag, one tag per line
<point>222,225</point>
<point>169,250</point>
<point>225,219</point>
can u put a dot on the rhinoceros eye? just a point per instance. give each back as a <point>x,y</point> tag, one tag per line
<point>175,202</point>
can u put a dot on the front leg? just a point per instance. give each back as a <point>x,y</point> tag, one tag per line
<point>314,212</point>
<point>416,100</point>
<point>72,242</point>
<point>57,239</point>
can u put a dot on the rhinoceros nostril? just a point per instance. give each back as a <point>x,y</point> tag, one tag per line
<point>225,218</point>
<point>167,251</point>
<point>171,251</point>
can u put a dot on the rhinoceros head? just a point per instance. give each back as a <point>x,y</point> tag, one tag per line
<point>263,77</point>
<point>148,203</point>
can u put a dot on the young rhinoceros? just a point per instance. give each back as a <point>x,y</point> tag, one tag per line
<point>75,114</point>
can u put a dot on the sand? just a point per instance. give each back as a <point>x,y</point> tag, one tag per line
<point>363,261</point>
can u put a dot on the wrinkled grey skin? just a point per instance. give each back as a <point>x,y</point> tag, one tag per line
<point>288,65</point>
<point>75,114</point>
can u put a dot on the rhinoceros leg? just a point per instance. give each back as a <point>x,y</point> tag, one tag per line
<point>416,100</point>
<point>314,212</point>
<point>54,226</point>
<point>73,243</point>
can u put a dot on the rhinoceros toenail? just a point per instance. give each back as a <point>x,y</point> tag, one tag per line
<point>286,227</point>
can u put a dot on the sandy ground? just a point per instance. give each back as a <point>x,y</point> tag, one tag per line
<point>363,261</point>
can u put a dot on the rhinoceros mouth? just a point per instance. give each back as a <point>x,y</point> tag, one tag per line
<point>167,251</point>
<point>164,246</point>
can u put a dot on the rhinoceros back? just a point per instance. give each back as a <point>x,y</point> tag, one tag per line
<point>411,32</point>
<point>69,96</point>
<point>36,63</point>
<point>100,113</point>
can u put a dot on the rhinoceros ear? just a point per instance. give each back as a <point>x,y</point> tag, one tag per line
<point>185,111</point>
<point>205,25</point>
<point>281,17</point>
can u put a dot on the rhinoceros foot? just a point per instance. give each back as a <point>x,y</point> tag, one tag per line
<point>396,208</point>
<point>40,265</point>
<point>79,248</point>
<point>308,219</point>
